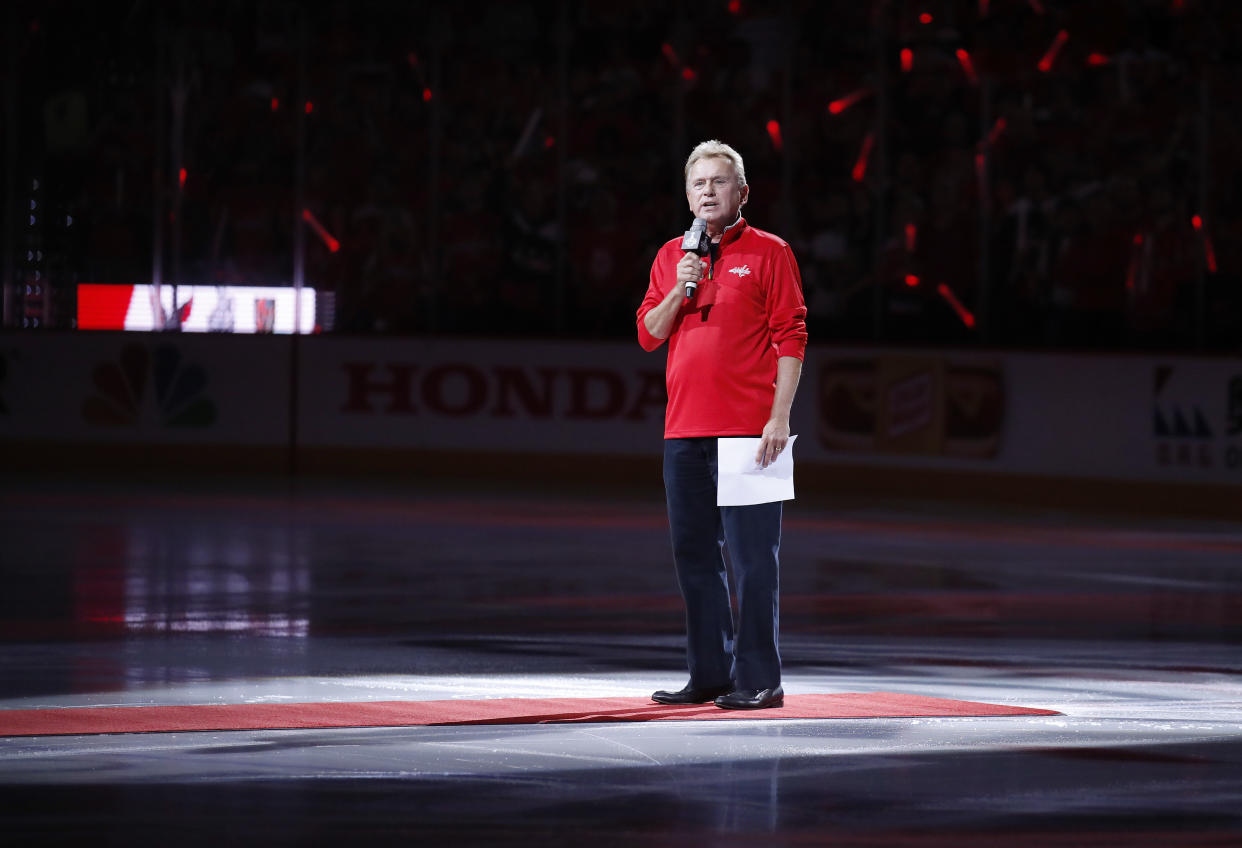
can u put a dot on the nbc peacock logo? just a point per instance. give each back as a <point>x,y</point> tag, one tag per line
<point>149,389</point>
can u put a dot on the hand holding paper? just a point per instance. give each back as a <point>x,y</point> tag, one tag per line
<point>741,481</point>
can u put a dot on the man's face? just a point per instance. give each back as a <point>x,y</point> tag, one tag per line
<point>713,192</point>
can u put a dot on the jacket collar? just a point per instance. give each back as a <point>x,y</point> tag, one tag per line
<point>733,231</point>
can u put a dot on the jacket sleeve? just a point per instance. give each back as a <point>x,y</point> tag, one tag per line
<point>786,307</point>
<point>656,290</point>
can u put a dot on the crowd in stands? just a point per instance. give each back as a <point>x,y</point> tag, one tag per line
<point>1009,173</point>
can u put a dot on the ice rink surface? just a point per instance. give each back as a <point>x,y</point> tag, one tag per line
<point>235,590</point>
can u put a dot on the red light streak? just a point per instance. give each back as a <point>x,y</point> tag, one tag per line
<point>309,218</point>
<point>839,105</point>
<point>1209,250</point>
<point>925,18</point>
<point>688,74</point>
<point>670,54</point>
<point>994,134</point>
<point>1045,64</point>
<point>735,7</point>
<point>310,107</point>
<point>417,67</point>
<point>864,157</point>
<point>962,312</point>
<point>426,95</point>
<point>181,175</point>
<point>549,142</point>
<point>968,67</point>
<point>1098,59</point>
<point>912,281</point>
<point>907,59</point>
<point>275,104</point>
<point>774,133</point>
<point>912,235</point>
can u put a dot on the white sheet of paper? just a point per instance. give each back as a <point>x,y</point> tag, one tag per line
<point>742,482</point>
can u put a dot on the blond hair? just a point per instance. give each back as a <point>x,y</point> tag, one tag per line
<point>714,148</point>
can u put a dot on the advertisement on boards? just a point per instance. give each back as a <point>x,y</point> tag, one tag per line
<point>144,389</point>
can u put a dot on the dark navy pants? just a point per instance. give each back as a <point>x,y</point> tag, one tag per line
<point>718,653</point>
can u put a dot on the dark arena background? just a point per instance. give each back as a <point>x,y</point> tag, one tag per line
<point>330,493</point>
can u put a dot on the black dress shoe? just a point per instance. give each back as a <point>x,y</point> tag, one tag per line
<point>690,695</point>
<point>752,699</point>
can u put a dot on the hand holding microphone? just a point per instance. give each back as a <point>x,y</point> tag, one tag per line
<point>689,272</point>
<point>697,244</point>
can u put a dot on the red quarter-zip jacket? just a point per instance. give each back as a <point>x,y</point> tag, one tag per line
<point>748,312</point>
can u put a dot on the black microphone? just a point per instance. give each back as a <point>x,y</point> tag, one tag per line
<point>696,241</point>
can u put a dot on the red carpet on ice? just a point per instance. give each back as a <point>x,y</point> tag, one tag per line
<point>164,719</point>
